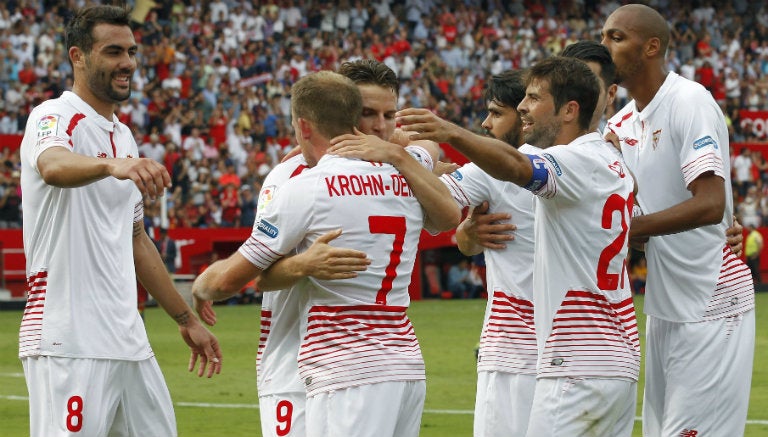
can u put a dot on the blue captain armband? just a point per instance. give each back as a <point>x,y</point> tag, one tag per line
<point>540,173</point>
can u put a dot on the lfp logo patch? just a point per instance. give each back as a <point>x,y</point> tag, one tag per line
<point>267,228</point>
<point>704,142</point>
<point>457,175</point>
<point>47,125</point>
<point>265,197</point>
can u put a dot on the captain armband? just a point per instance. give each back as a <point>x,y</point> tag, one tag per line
<point>540,173</point>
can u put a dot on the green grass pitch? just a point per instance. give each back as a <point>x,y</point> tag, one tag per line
<point>226,405</point>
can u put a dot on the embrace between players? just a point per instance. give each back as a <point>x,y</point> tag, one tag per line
<point>338,355</point>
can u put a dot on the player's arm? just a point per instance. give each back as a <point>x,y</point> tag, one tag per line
<point>60,167</point>
<point>483,230</point>
<point>497,158</point>
<point>320,261</point>
<point>224,278</point>
<point>442,212</point>
<point>705,207</point>
<point>152,274</point>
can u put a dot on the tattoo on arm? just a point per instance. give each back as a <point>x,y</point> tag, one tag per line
<point>182,318</point>
<point>138,228</point>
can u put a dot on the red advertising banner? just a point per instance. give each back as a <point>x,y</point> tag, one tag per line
<point>758,120</point>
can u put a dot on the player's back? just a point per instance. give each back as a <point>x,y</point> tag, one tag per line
<point>373,205</point>
<point>357,331</point>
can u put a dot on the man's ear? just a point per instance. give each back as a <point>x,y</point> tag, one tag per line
<point>305,128</point>
<point>611,95</point>
<point>570,111</point>
<point>76,56</point>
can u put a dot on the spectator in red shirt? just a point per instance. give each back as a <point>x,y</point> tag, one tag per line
<point>705,75</point>
<point>27,74</point>
<point>217,126</point>
<point>229,176</point>
<point>230,204</point>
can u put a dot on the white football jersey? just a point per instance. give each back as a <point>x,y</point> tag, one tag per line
<point>78,242</point>
<point>681,134</point>
<point>508,338</point>
<point>276,360</point>
<point>585,318</point>
<point>355,331</point>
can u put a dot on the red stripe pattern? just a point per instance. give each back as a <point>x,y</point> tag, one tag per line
<point>347,346</point>
<point>72,125</point>
<point>592,337</point>
<point>704,163</point>
<point>508,342</point>
<point>30,333</point>
<point>266,325</point>
<point>257,252</point>
<point>735,292</point>
<point>456,190</point>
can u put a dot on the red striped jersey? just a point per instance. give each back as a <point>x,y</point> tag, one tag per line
<point>78,242</point>
<point>679,136</point>
<point>380,216</point>
<point>276,360</point>
<point>508,337</point>
<point>584,316</point>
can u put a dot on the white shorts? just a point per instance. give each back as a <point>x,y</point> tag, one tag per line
<point>385,409</point>
<point>94,398</point>
<point>698,376</point>
<point>283,414</point>
<point>503,403</point>
<point>567,407</point>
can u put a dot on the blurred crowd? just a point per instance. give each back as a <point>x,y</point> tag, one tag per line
<point>211,97</point>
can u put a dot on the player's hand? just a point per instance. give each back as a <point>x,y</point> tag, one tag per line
<point>326,262</point>
<point>149,175</point>
<point>490,231</point>
<point>204,346</point>
<point>367,147</point>
<point>425,125</point>
<point>735,237</point>
<point>612,138</point>
<point>204,309</point>
<point>442,168</point>
<point>400,137</point>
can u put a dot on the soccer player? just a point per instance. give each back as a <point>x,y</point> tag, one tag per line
<point>376,387</point>
<point>699,296</point>
<point>585,324</point>
<point>506,365</point>
<point>87,360</point>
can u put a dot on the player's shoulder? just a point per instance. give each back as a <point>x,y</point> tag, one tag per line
<point>285,170</point>
<point>59,106</point>
<point>686,94</point>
